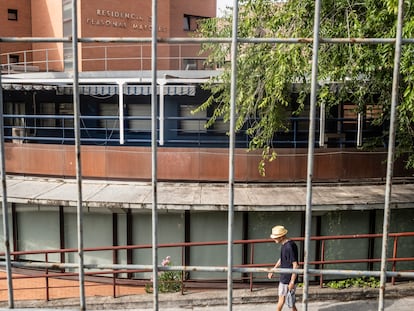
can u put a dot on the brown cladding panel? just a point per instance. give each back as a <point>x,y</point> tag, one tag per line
<point>193,164</point>
<point>37,159</point>
<point>241,169</point>
<point>364,165</point>
<point>127,162</point>
<point>328,165</point>
<point>47,160</point>
<point>94,161</point>
<point>214,164</point>
<point>178,164</point>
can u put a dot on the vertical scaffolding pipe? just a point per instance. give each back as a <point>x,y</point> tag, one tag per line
<point>359,129</point>
<point>230,218</point>
<point>312,116</point>
<point>6,228</point>
<point>121,112</point>
<point>154,103</point>
<point>161,112</point>
<point>322,122</point>
<point>76,108</point>
<point>391,149</point>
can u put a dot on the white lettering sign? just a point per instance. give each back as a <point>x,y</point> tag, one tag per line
<point>122,19</point>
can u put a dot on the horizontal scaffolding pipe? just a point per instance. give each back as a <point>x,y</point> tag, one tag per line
<point>115,267</point>
<point>210,40</point>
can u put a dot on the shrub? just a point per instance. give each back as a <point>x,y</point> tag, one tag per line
<point>357,282</point>
<point>168,281</point>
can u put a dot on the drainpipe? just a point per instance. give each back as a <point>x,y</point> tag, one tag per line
<point>121,112</point>
<point>161,83</point>
<point>359,133</point>
<point>322,126</point>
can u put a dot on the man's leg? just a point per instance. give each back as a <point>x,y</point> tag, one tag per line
<point>283,289</point>
<point>280,303</point>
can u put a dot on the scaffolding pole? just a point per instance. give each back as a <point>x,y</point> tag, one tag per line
<point>233,99</point>
<point>117,267</point>
<point>177,40</point>
<point>6,227</point>
<point>76,108</point>
<point>311,146</point>
<point>154,104</point>
<point>234,40</point>
<point>390,158</point>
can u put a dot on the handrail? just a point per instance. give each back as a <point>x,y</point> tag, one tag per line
<point>47,275</point>
<point>176,53</point>
<point>29,131</point>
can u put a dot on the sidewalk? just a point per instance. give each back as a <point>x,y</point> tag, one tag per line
<point>30,293</point>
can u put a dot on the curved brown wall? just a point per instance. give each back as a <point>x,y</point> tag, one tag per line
<point>194,164</point>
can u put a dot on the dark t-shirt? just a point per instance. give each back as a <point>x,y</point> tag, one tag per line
<point>288,254</point>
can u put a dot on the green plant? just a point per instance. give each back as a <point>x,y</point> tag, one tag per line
<point>355,282</point>
<point>168,281</point>
<point>273,79</point>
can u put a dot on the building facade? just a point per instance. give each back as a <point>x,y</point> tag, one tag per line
<point>125,19</point>
<point>115,93</point>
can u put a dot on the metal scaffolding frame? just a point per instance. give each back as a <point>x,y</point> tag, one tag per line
<point>234,40</point>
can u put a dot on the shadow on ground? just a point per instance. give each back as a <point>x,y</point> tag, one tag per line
<point>371,305</point>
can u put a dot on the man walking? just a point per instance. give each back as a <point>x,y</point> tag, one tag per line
<point>288,259</point>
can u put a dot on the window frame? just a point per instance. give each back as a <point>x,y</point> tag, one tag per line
<point>12,15</point>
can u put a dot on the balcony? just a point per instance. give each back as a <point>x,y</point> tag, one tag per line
<point>105,58</point>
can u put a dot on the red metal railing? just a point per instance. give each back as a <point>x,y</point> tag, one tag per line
<point>250,243</point>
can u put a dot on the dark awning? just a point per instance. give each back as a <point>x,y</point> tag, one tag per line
<point>105,89</point>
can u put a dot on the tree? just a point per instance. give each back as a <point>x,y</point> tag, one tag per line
<point>270,74</point>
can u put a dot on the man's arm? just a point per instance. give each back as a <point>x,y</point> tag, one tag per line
<point>295,265</point>
<point>277,265</point>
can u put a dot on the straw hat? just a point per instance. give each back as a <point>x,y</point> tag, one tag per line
<point>278,231</point>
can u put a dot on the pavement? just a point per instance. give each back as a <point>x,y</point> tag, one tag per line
<point>216,299</point>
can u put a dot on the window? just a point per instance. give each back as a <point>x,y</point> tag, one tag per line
<point>186,23</point>
<point>192,123</point>
<point>13,59</point>
<point>66,109</point>
<point>16,108</point>
<point>220,127</point>
<point>189,64</point>
<point>373,111</point>
<point>47,109</point>
<point>54,115</point>
<point>12,15</point>
<point>143,114</point>
<point>191,22</point>
<point>110,114</point>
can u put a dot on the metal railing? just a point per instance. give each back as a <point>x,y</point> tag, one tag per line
<point>35,130</point>
<point>234,40</point>
<point>57,269</point>
<point>106,57</point>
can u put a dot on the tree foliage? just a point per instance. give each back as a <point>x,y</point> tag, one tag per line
<point>268,72</point>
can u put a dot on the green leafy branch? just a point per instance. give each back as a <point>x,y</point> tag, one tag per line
<point>355,282</point>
